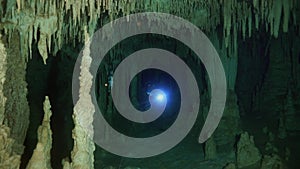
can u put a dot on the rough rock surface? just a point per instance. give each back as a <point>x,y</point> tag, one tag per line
<point>272,162</point>
<point>64,21</point>
<point>82,154</point>
<point>41,154</point>
<point>230,166</point>
<point>16,115</point>
<point>290,117</point>
<point>3,69</point>
<point>229,126</point>
<point>247,154</point>
<point>210,149</point>
<point>8,159</point>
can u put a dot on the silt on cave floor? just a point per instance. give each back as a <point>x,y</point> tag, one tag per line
<point>258,43</point>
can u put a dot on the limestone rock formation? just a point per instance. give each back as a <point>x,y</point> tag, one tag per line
<point>290,117</point>
<point>282,134</point>
<point>277,78</point>
<point>64,21</point>
<point>16,114</point>
<point>229,126</point>
<point>230,166</point>
<point>3,69</point>
<point>82,154</point>
<point>271,148</point>
<point>272,162</point>
<point>8,158</point>
<point>41,154</point>
<point>247,153</point>
<point>210,149</point>
<point>129,167</point>
<point>53,23</point>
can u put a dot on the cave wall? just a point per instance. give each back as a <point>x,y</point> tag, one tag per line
<point>9,156</point>
<point>15,91</point>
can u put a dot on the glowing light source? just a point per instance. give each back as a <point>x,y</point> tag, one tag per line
<point>160,97</point>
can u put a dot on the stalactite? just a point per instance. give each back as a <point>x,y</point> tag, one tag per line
<point>30,40</point>
<point>256,21</point>
<point>227,21</point>
<point>42,46</point>
<point>249,13</point>
<point>286,16</point>
<point>268,12</point>
<point>277,11</point>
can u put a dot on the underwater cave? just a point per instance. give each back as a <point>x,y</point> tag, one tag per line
<point>64,93</point>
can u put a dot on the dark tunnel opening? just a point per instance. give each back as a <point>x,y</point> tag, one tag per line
<point>54,80</point>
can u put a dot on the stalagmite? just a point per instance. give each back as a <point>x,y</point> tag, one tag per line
<point>41,154</point>
<point>291,120</point>
<point>282,129</point>
<point>230,166</point>
<point>272,162</point>
<point>247,153</point>
<point>82,154</point>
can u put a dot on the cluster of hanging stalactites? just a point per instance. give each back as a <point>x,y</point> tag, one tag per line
<point>52,23</point>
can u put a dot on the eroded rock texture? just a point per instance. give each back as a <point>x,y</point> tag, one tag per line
<point>3,69</point>
<point>53,23</point>
<point>247,153</point>
<point>229,126</point>
<point>10,150</point>
<point>8,158</point>
<point>210,149</point>
<point>230,166</point>
<point>16,112</point>
<point>41,154</point>
<point>82,155</point>
<point>272,162</point>
<point>60,22</point>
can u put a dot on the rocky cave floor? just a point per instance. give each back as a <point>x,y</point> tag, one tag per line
<point>189,154</point>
